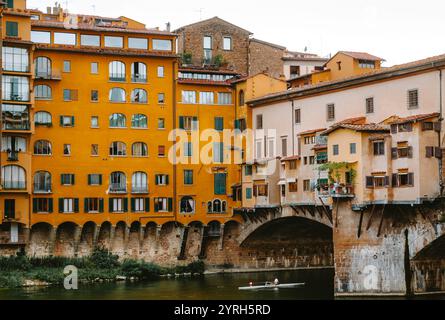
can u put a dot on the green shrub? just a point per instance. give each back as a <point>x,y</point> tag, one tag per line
<point>57,262</point>
<point>103,259</point>
<point>141,270</point>
<point>10,280</point>
<point>14,263</point>
<point>50,275</point>
<point>196,267</point>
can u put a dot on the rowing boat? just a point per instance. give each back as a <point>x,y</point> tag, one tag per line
<point>269,285</point>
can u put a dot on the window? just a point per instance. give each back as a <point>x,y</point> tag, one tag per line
<point>379,148</point>
<point>189,97</point>
<point>161,151</point>
<point>405,127</point>
<point>42,182</point>
<point>219,123</point>
<point>311,160</point>
<point>94,95</point>
<point>65,38</point>
<point>118,205</point>
<point>224,98</point>
<point>140,205</point>
<point>187,205</point>
<point>259,121</point>
<point>402,151</point>
<point>403,179</point>
<point>139,149</point>
<point>41,37</point>
<point>188,177</point>
<point>42,147</point>
<point>94,122</point>
<point>69,95</point>
<point>13,144</point>
<point>138,43</point>
<point>306,185</point>
<point>43,68</point>
<point>42,205</point>
<point>260,190</point>
<point>220,183</point>
<point>241,98</point>
<point>139,96</point>
<point>12,29</point>
<point>89,40</point>
<point>241,124</point>
<point>366,64</point>
<point>67,179</point>
<point>10,209</point>
<point>309,140</point>
<point>15,88</point>
<point>227,43</point>
<point>352,148</point>
<point>339,65</point>
<point>66,149</point>
<point>94,179</point>
<point>117,95</point>
<point>139,182</point>
<point>370,105</point>
<point>66,66</point>
<point>161,179</point>
<point>377,181</point>
<point>94,205</point>
<point>248,170</point>
<point>13,178</point>
<point>162,45</point>
<point>161,123</point>
<point>330,112</point>
<point>335,149</point>
<point>94,149</point>
<point>293,187</point>
<point>188,150</point>
<point>271,148</point>
<point>116,71</point>
<point>413,99</point>
<point>118,148</point>
<point>248,193</point>
<point>138,72</point>
<point>207,42</point>
<point>66,121</point>
<point>118,120</point>
<point>15,59</point>
<point>259,149</point>
<point>293,165</point>
<point>218,152</point>
<point>188,123</point>
<point>114,42</point>
<point>163,204</point>
<point>10,4</point>
<point>15,117</point>
<point>217,206</point>
<point>42,118</point>
<point>94,68</point>
<point>161,98</point>
<point>297,116</point>
<point>206,97</point>
<point>118,182</point>
<point>160,72</point>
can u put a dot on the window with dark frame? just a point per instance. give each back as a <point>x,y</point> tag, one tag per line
<point>413,99</point>
<point>330,112</point>
<point>370,105</point>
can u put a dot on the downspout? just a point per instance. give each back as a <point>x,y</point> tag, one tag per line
<point>174,63</point>
<point>293,128</point>
<point>441,184</point>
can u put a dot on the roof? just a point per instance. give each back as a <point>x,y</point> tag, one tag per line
<point>372,76</point>
<point>378,136</point>
<point>415,118</point>
<point>244,78</point>
<point>356,120</point>
<point>216,18</point>
<point>207,70</point>
<point>360,55</point>
<point>204,82</point>
<point>371,127</point>
<point>268,44</point>
<point>311,131</point>
<point>291,158</point>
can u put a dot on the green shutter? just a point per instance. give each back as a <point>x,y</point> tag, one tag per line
<point>62,179</point>
<point>170,204</point>
<point>12,29</point>
<point>125,204</point>
<point>220,183</point>
<point>156,179</point>
<point>10,4</point>
<point>61,121</point>
<point>60,205</point>
<point>101,205</point>
<point>147,204</point>
<point>72,121</point>
<point>50,205</point>
<point>73,179</point>
<point>76,205</point>
<point>248,193</point>
<point>219,123</point>
<point>100,179</point>
<point>221,152</point>
<point>89,179</point>
<point>110,204</point>
<point>156,204</point>
<point>166,179</point>
<point>34,205</point>
<point>133,204</point>
<point>85,205</point>
<point>181,122</point>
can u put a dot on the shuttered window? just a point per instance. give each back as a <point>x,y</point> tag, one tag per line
<point>220,183</point>
<point>413,99</point>
<point>219,123</point>
<point>12,29</point>
<point>330,112</point>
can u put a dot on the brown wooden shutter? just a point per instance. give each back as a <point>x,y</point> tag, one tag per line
<point>429,152</point>
<point>395,180</point>
<point>437,152</point>
<point>386,181</point>
<point>411,179</point>
<point>437,126</point>
<point>255,191</point>
<point>393,128</point>
<point>410,152</point>
<point>393,153</point>
<point>370,182</point>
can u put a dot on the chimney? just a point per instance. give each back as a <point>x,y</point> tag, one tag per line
<point>168,26</point>
<point>48,10</point>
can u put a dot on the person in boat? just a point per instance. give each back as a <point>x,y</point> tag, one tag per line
<point>251,283</point>
<point>276,282</point>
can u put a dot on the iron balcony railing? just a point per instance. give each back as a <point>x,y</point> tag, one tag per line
<point>24,125</point>
<point>139,189</point>
<point>42,188</point>
<point>139,78</point>
<point>117,77</point>
<point>117,188</point>
<point>14,185</point>
<point>48,75</point>
<point>12,216</point>
<point>13,155</point>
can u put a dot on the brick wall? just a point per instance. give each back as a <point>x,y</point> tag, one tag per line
<point>266,58</point>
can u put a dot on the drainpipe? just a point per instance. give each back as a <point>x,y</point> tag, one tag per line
<point>441,182</point>
<point>293,127</point>
<point>174,76</point>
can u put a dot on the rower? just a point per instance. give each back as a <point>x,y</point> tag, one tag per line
<point>276,282</point>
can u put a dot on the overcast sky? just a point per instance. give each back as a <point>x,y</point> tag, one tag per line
<point>396,30</point>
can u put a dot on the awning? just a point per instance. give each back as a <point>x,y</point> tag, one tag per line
<point>291,180</point>
<point>281,183</point>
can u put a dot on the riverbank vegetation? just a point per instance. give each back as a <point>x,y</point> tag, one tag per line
<point>101,265</point>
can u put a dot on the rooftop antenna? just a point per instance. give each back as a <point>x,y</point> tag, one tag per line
<point>200,12</point>
<point>94,9</point>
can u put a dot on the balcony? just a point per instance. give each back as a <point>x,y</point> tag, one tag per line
<point>14,185</point>
<point>16,125</point>
<point>117,77</point>
<point>341,191</point>
<point>15,67</point>
<point>138,78</point>
<point>42,188</point>
<point>48,75</point>
<point>13,216</point>
<point>139,189</point>
<point>117,188</point>
<point>17,97</point>
<point>13,155</point>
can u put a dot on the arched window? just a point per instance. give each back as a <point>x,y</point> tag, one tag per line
<point>42,118</point>
<point>117,95</point>
<point>216,206</point>
<point>13,177</point>
<point>138,72</point>
<point>117,71</point>
<point>118,148</point>
<point>209,207</point>
<point>42,92</point>
<point>13,143</point>
<point>118,120</point>
<point>42,181</point>
<point>139,96</point>
<point>187,205</point>
<point>139,121</point>
<point>224,206</point>
<point>241,98</point>
<point>42,147</point>
<point>139,149</point>
<point>43,67</point>
<point>118,182</point>
<point>139,182</point>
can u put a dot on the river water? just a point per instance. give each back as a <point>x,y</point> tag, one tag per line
<point>318,285</point>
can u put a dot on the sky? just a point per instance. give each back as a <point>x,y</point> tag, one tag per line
<point>397,30</point>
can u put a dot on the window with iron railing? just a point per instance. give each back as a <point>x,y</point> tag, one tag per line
<point>42,182</point>
<point>138,72</point>
<point>118,182</point>
<point>117,71</point>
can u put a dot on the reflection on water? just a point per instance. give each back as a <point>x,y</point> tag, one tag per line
<point>319,285</point>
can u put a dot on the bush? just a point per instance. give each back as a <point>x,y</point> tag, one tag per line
<point>103,259</point>
<point>140,270</point>
<point>57,262</point>
<point>14,263</point>
<point>10,280</point>
<point>51,275</point>
<point>196,267</point>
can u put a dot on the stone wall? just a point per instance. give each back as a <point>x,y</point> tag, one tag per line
<point>266,58</point>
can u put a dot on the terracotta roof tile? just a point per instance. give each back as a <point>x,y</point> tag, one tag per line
<point>415,118</point>
<point>361,55</point>
<point>204,82</point>
<point>356,120</point>
<point>311,131</point>
<point>370,127</point>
